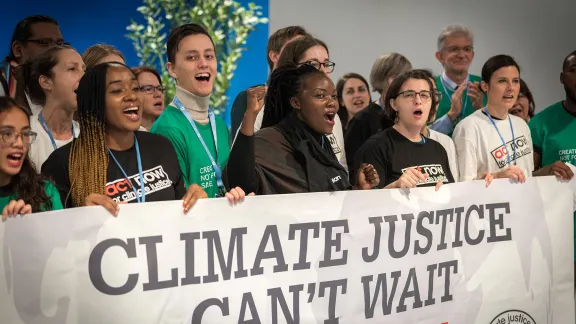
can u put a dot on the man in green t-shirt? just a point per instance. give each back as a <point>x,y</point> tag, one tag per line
<point>554,129</point>
<point>200,138</point>
<point>461,94</point>
<point>276,44</point>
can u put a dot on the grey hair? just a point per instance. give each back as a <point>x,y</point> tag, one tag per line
<point>386,66</point>
<point>452,30</point>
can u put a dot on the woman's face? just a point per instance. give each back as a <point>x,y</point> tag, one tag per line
<point>355,96</point>
<point>317,103</point>
<point>66,77</point>
<point>413,109</point>
<point>152,99</point>
<point>521,107</point>
<point>503,88</point>
<point>317,55</point>
<point>123,111</point>
<point>15,138</point>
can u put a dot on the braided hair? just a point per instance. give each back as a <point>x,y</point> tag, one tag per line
<point>285,83</point>
<point>88,160</point>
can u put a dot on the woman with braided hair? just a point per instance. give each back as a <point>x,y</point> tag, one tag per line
<point>111,162</point>
<point>292,154</point>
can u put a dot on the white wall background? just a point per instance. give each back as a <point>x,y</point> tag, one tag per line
<point>537,33</point>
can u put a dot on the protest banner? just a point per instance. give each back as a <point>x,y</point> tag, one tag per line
<point>463,255</point>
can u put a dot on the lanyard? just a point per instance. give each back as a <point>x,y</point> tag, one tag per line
<point>449,96</point>
<point>215,166</point>
<point>43,122</point>
<point>502,138</point>
<point>142,197</point>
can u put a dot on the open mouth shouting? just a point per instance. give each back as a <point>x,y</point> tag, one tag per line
<point>509,98</point>
<point>358,103</point>
<point>516,110</point>
<point>132,113</point>
<point>418,113</point>
<point>203,77</point>
<point>329,118</point>
<point>159,105</point>
<point>15,159</point>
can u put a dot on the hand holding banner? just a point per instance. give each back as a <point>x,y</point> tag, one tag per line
<point>463,254</point>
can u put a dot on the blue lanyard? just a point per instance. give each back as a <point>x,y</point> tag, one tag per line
<point>502,138</point>
<point>43,122</point>
<point>215,166</point>
<point>142,197</point>
<point>449,96</point>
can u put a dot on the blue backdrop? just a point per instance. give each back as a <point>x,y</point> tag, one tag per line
<point>89,22</point>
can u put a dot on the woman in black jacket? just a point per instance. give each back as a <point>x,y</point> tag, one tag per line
<point>292,155</point>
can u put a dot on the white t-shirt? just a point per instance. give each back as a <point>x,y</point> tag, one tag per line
<point>336,138</point>
<point>42,146</point>
<point>450,148</point>
<point>33,107</point>
<point>479,148</point>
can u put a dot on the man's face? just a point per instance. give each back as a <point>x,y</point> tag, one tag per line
<point>568,77</point>
<point>43,36</point>
<point>457,54</point>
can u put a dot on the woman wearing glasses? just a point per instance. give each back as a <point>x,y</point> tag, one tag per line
<point>403,157</point>
<point>22,190</point>
<point>313,52</point>
<point>151,95</point>
<point>51,80</point>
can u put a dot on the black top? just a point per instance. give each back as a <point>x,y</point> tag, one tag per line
<point>391,154</point>
<point>282,159</point>
<point>366,123</point>
<point>161,171</point>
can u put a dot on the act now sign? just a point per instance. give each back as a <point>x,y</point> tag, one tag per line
<point>463,255</point>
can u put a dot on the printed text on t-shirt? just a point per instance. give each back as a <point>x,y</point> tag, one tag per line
<point>435,173</point>
<point>520,144</point>
<point>568,155</point>
<point>207,176</point>
<point>155,179</point>
<point>334,143</point>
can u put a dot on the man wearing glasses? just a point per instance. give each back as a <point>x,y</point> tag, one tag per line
<point>461,94</point>
<point>32,36</point>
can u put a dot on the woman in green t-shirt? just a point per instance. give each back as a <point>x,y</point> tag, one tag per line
<point>22,190</point>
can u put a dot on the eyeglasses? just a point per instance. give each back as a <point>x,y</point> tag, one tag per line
<point>149,89</point>
<point>329,66</point>
<point>48,42</point>
<point>425,95</point>
<point>9,137</point>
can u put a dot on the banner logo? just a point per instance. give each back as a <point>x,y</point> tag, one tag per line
<point>513,317</point>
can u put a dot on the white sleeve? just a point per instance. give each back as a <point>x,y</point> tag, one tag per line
<point>258,122</point>
<point>572,183</point>
<point>465,139</point>
<point>337,132</point>
<point>452,159</point>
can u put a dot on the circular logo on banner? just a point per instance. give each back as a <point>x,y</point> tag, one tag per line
<point>513,317</point>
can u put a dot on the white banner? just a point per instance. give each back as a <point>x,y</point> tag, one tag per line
<point>463,255</point>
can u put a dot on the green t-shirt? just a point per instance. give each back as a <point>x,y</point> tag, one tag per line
<point>194,162</point>
<point>446,102</point>
<point>6,196</point>
<point>554,137</point>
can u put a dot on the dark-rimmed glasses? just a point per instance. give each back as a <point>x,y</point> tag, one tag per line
<point>48,42</point>
<point>150,89</point>
<point>10,137</point>
<point>328,65</point>
<point>425,95</point>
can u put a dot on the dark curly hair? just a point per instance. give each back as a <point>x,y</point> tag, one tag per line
<point>27,184</point>
<point>285,83</point>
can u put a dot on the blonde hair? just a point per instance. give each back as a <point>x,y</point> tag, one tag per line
<point>95,53</point>
<point>387,66</point>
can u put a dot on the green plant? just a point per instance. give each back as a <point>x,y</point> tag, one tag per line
<point>227,21</point>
